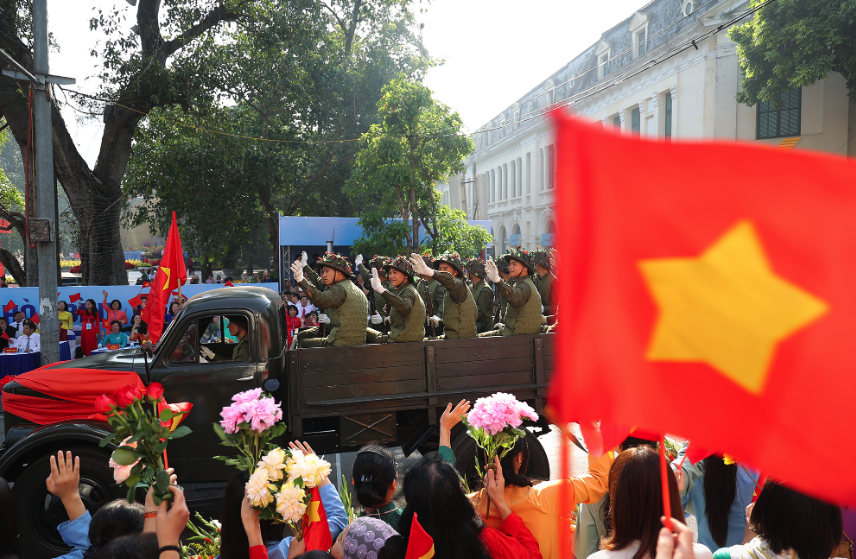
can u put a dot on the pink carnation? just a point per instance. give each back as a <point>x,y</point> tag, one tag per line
<point>499,411</point>
<point>260,413</point>
<point>247,396</point>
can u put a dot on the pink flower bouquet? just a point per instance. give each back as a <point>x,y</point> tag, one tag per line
<point>494,423</point>
<point>249,424</point>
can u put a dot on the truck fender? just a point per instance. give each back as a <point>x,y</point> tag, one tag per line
<point>54,436</point>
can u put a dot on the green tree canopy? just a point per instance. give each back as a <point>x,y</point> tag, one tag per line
<point>794,43</point>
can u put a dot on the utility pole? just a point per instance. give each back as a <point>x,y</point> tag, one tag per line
<point>43,228</point>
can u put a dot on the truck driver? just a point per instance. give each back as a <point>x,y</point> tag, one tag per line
<point>238,327</point>
<point>343,303</point>
<point>523,313</point>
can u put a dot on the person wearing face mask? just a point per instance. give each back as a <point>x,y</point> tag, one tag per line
<point>523,312</point>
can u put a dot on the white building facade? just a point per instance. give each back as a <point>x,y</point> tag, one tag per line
<point>689,96</point>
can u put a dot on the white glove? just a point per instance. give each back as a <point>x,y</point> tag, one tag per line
<point>297,270</point>
<point>419,266</point>
<point>304,258</point>
<point>498,326</point>
<point>386,319</point>
<point>358,260</point>
<point>376,283</point>
<point>492,270</point>
<point>323,319</point>
<point>207,352</point>
<point>434,320</point>
<point>543,319</point>
<point>377,318</point>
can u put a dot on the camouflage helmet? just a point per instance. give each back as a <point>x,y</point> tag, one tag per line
<point>453,259</point>
<point>475,266</point>
<point>400,263</point>
<point>335,261</point>
<point>521,255</point>
<point>541,257</point>
<point>428,258</point>
<point>378,262</point>
<point>502,263</point>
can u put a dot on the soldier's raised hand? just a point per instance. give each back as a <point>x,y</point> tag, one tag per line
<point>323,319</point>
<point>358,260</point>
<point>304,258</point>
<point>492,270</point>
<point>297,270</point>
<point>419,265</point>
<point>376,283</point>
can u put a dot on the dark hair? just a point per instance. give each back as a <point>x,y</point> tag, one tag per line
<point>720,488</point>
<point>9,527</point>
<point>373,473</point>
<point>317,554</point>
<point>115,519</point>
<point>433,492</point>
<point>312,312</point>
<point>292,308</point>
<point>134,546</point>
<point>58,303</point>
<point>174,303</point>
<point>116,301</point>
<point>94,311</point>
<point>629,442</point>
<point>519,478</point>
<point>143,328</point>
<point>393,548</point>
<point>633,442</point>
<point>119,322</point>
<point>233,539</point>
<point>636,502</point>
<point>787,519</point>
<point>239,320</point>
<point>28,322</point>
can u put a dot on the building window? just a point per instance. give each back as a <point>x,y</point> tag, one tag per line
<point>548,179</point>
<point>528,172</point>
<point>641,42</point>
<point>668,112</point>
<point>513,179</point>
<point>635,124</point>
<point>499,184</point>
<point>617,122</point>
<point>603,65</point>
<point>493,186</point>
<point>774,123</point>
<point>688,9</point>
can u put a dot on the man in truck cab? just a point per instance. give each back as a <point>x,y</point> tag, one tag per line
<point>237,328</point>
<point>344,305</point>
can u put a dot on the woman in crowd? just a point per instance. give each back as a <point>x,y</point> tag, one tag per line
<point>174,307</point>
<point>9,546</point>
<point>374,479</point>
<point>66,325</point>
<point>364,538</point>
<point>717,494</point>
<point>114,311</point>
<point>266,277</point>
<point>292,322</point>
<point>90,320</point>
<point>219,279</point>
<point>116,337</point>
<point>241,525</point>
<point>310,320</point>
<point>636,506</point>
<point>788,525</point>
<point>434,493</point>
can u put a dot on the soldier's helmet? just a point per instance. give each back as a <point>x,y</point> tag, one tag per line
<point>337,262</point>
<point>542,257</point>
<point>502,263</point>
<point>377,262</point>
<point>453,259</point>
<point>400,263</point>
<point>521,255</point>
<point>428,258</point>
<point>475,266</point>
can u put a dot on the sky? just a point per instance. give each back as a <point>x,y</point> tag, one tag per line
<point>494,50</point>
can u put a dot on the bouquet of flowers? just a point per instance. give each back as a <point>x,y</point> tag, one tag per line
<point>206,539</point>
<point>279,486</point>
<point>145,433</point>
<point>248,425</point>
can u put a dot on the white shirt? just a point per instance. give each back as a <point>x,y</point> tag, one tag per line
<point>34,339</point>
<point>303,311</point>
<point>700,552</point>
<point>17,326</point>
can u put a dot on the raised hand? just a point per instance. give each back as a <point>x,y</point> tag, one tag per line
<point>492,270</point>
<point>297,270</point>
<point>304,258</point>
<point>358,260</point>
<point>450,418</point>
<point>376,283</point>
<point>419,266</point>
<point>64,482</point>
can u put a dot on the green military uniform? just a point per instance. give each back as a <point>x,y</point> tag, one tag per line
<point>345,305</point>
<point>314,278</point>
<point>523,313</point>
<point>483,296</point>
<point>379,301</point>
<point>407,311</point>
<point>460,311</point>
<point>545,289</point>
<point>241,352</point>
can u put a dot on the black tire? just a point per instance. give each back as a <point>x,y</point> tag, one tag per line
<point>39,512</point>
<point>465,454</point>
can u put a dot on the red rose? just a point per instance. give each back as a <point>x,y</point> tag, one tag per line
<point>104,404</point>
<point>127,395</point>
<point>155,391</point>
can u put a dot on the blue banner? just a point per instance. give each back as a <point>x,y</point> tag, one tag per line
<point>26,299</point>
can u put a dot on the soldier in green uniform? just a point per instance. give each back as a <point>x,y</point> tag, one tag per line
<point>523,313</point>
<point>376,263</point>
<point>502,267</point>
<point>543,267</point>
<point>343,303</point>
<point>310,274</point>
<point>435,294</point>
<point>238,329</point>
<point>407,311</point>
<point>460,307</point>
<point>482,294</point>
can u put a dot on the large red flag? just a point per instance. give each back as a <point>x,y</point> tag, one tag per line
<point>171,273</point>
<point>707,291</point>
<point>316,532</point>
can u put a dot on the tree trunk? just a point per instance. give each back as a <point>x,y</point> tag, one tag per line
<point>12,266</point>
<point>207,268</point>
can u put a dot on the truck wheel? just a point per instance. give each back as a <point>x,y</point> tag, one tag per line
<point>39,512</point>
<point>465,453</point>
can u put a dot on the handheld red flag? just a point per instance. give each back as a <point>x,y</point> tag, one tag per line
<point>171,273</point>
<point>135,301</point>
<point>733,285</point>
<point>5,336</point>
<point>74,298</point>
<point>35,318</point>
<point>420,545</point>
<point>229,284</point>
<point>9,306</point>
<point>316,531</point>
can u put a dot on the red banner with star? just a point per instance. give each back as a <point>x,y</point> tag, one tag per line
<point>707,291</point>
<point>171,273</point>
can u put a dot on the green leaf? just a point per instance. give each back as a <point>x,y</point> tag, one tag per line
<point>181,431</point>
<point>166,414</point>
<point>124,456</point>
<point>132,495</point>
<point>106,440</point>
<point>162,481</point>
<point>221,433</point>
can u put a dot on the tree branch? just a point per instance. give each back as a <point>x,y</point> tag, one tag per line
<point>335,15</point>
<point>217,16</point>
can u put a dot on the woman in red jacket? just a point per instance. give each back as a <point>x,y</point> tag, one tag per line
<point>90,321</point>
<point>433,491</point>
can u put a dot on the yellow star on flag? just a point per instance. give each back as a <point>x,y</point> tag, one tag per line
<point>166,271</point>
<point>726,308</point>
<point>312,513</point>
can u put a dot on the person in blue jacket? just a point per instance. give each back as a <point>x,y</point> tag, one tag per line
<point>234,543</point>
<point>717,494</point>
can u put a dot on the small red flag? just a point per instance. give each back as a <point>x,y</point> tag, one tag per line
<point>420,545</point>
<point>35,318</point>
<point>171,273</point>
<point>316,531</point>
<point>734,284</point>
<point>229,284</point>
<point>136,301</point>
<point>74,298</point>
<point>9,306</point>
<point>147,284</point>
<point>5,336</point>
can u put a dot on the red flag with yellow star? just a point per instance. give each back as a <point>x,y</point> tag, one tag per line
<point>316,531</point>
<point>708,291</point>
<point>171,273</point>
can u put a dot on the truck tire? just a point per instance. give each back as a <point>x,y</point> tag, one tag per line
<point>39,512</point>
<point>465,453</point>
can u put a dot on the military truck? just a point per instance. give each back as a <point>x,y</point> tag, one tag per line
<point>336,398</point>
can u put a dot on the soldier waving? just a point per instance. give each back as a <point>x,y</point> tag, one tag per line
<point>523,313</point>
<point>460,312</point>
<point>407,311</point>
